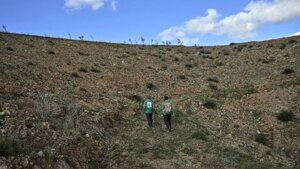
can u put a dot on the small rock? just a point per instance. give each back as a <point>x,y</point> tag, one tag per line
<point>36,167</point>
<point>228,136</point>
<point>40,153</point>
<point>2,114</point>
<point>61,164</point>
<point>25,163</point>
<point>1,122</point>
<point>87,135</point>
<point>3,166</point>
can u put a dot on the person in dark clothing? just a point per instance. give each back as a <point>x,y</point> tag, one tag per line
<point>148,110</point>
<point>167,111</point>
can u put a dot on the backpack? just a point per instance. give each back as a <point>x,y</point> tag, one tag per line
<point>149,104</point>
<point>168,107</point>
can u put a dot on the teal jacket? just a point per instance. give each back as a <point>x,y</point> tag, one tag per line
<point>167,107</point>
<point>148,106</point>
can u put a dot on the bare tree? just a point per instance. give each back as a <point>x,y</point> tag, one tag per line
<point>81,37</point>
<point>179,41</point>
<point>130,41</point>
<point>136,42</point>
<point>70,37</point>
<point>143,40</point>
<point>151,41</point>
<point>4,28</point>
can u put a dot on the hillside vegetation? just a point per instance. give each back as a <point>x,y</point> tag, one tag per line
<point>77,104</point>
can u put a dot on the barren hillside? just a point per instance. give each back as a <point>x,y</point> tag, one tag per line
<point>77,104</point>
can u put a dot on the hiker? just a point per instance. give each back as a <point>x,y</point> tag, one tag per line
<point>148,110</point>
<point>167,111</point>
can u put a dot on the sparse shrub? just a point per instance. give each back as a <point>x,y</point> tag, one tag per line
<point>50,52</point>
<point>163,59</point>
<point>50,42</point>
<point>250,46</point>
<point>182,77</point>
<point>236,126</point>
<point>251,90</point>
<point>151,86</point>
<point>287,71</point>
<point>292,41</point>
<point>262,139</point>
<point>135,97</point>
<point>189,151</point>
<point>266,61</point>
<point>210,104</point>
<point>164,67</point>
<point>286,116</point>
<point>83,53</point>
<point>200,135</point>
<point>188,66</point>
<point>231,44</point>
<point>94,70</point>
<point>206,52</point>
<point>12,147</point>
<point>226,53</point>
<point>269,45</point>
<point>219,64</point>
<point>213,79</point>
<point>207,57</point>
<point>240,48</point>
<point>213,86</point>
<point>282,46</point>
<point>82,89</point>
<point>176,59</point>
<point>9,48</point>
<point>82,69</point>
<point>75,74</point>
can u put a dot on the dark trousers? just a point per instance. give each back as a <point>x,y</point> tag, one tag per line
<point>149,119</point>
<point>167,119</point>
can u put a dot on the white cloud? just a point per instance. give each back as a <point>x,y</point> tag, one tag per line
<point>296,34</point>
<point>198,25</point>
<point>94,4</point>
<point>256,14</point>
<point>203,25</point>
<point>242,25</point>
<point>114,5</point>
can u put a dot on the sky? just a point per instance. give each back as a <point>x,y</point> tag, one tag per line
<point>194,22</point>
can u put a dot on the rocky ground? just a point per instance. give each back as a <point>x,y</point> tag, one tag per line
<point>77,104</point>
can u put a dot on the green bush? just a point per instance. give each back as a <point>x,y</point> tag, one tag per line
<point>82,69</point>
<point>75,74</point>
<point>213,79</point>
<point>287,71</point>
<point>286,116</point>
<point>213,86</point>
<point>262,138</point>
<point>11,147</point>
<point>200,135</point>
<point>210,104</point>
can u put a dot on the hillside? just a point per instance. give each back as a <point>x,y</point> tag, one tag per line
<point>77,104</point>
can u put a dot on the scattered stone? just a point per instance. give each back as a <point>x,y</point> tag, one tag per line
<point>25,163</point>
<point>61,164</point>
<point>36,167</point>
<point>40,153</point>
<point>3,166</point>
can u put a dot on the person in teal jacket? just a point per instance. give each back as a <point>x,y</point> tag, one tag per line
<point>148,110</point>
<point>167,108</point>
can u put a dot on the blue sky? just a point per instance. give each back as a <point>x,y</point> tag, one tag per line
<point>201,22</point>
